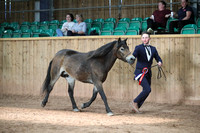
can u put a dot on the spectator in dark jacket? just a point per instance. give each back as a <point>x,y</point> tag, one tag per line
<point>185,16</point>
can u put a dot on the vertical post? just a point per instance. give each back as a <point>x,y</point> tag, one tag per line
<point>51,10</point>
<point>171,5</point>
<point>5,10</point>
<point>9,9</point>
<point>119,9</point>
<point>110,8</point>
<point>37,14</point>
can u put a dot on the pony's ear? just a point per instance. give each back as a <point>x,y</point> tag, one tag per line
<point>125,39</point>
<point>119,40</point>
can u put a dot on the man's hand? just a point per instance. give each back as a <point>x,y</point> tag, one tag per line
<point>159,64</point>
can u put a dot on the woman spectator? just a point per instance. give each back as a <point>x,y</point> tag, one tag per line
<point>185,16</point>
<point>66,26</point>
<point>79,28</point>
<point>158,18</point>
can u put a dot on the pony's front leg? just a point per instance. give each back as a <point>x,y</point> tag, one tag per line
<point>103,96</point>
<point>71,83</point>
<point>94,95</point>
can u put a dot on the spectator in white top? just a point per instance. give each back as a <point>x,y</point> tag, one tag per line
<point>79,28</point>
<point>66,26</point>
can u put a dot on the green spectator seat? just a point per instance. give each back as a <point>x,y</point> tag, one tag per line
<point>44,23</point>
<point>7,34</point>
<point>137,19</point>
<point>16,34</point>
<point>60,26</point>
<point>111,20</point>
<point>191,26</point>
<point>101,20</point>
<point>88,20</point>
<point>35,23</point>
<point>145,19</point>
<point>47,33</point>
<point>125,20</point>
<point>89,25</point>
<point>135,24</point>
<point>44,27</point>
<point>33,27</point>
<point>54,22</point>
<point>37,32</point>
<point>97,24</point>
<point>123,24</point>
<point>74,21</point>
<point>134,28</point>
<point>15,25</point>
<point>198,22</point>
<point>110,29</point>
<point>132,32</point>
<point>144,26</point>
<point>118,32</point>
<point>4,24</point>
<point>108,24</point>
<point>26,33</point>
<point>25,23</point>
<point>94,28</point>
<point>24,27</point>
<point>104,33</point>
<point>120,29</point>
<point>198,31</point>
<point>169,21</point>
<point>1,30</point>
<point>188,31</point>
<point>53,26</point>
<point>63,21</point>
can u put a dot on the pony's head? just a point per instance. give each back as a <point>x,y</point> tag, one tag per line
<point>123,52</point>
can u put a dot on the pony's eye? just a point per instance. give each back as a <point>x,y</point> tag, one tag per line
<point>121,48</point>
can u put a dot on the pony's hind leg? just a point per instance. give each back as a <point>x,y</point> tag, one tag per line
<point>51,78</point>
<point>71,83</point>
<point>48,91</point>
<point>94,95</point>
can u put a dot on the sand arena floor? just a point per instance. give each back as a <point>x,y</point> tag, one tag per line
<point>22,114</point>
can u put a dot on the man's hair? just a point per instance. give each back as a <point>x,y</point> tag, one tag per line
<point>163,2</point>
<point>145,33</point>
<point>71,15</point>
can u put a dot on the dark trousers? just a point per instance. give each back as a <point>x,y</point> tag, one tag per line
<point>153,25</point>
<point>178,24</point>
<point>70,33</point>
<point>146,84</point>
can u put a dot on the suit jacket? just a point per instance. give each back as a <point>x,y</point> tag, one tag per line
<point>142,61</point>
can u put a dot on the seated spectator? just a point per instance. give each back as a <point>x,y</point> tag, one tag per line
<point>66,26</point>
<point>158,18</point>
<point>79,28</point>
<point>185,16</point>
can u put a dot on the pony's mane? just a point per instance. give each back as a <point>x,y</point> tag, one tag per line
<point>102,51</point>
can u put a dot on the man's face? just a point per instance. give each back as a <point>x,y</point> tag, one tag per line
<point>160,6</point>
<point>145,38</point>
<point>183,3</point>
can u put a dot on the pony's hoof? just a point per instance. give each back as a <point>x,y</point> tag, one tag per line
<point>110,114</point>
<point>76,110</point>
<point>82,106</point>
<point>43,104</point>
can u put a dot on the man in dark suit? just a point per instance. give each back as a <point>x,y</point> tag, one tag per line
<point>144,54</point>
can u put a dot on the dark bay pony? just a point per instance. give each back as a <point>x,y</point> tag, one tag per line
<point>91,67</point>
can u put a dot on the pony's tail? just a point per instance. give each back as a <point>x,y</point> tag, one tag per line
<point>45,85</point>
